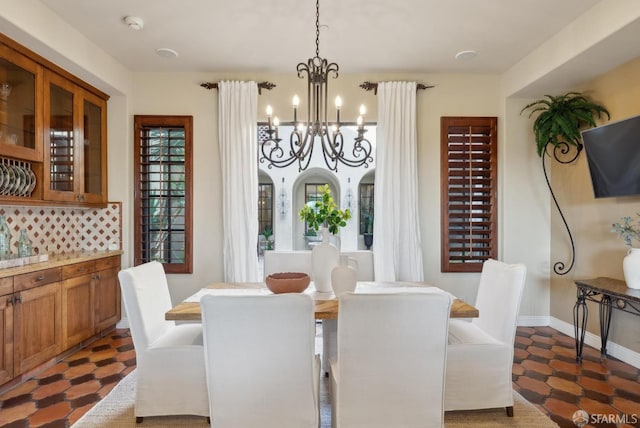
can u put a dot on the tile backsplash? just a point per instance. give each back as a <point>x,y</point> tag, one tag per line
<point>62,229</point>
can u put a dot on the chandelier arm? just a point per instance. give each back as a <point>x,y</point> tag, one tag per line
<point>328,153</point>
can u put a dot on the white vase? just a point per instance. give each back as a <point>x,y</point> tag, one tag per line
<point>344,276</point>
<point>324,257</point>
<point>631,268</point>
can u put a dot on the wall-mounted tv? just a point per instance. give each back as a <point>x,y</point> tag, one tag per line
<point>613,155</point>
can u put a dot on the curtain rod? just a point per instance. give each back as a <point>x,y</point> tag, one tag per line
<point>261,85</point>
<point>372,86</point>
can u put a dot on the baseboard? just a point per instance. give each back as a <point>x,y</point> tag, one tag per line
<point>123,323</point>
<point>620,352</point>
<point>532,321</point>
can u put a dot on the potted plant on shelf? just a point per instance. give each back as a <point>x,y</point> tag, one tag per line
<point>324,256</point>
<point>629,231</point>
<point>559,122</point>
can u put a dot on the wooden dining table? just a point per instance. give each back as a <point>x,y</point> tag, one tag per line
<point>326,304</point>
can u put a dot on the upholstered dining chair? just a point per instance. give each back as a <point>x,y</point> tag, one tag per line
<point>390,366</point>
<point>170,358</point>
<point>261,367</point>
<point>480,353</point>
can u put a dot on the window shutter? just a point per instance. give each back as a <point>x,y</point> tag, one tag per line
<point>469,192</point>
<point>163,191</point>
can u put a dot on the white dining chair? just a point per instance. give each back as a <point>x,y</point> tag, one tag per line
<point>390,365</point>
<point>480,354</point>
<point>169,357</point>
<point>261,367</point>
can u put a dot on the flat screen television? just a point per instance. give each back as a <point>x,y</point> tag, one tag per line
<point>613,156</point>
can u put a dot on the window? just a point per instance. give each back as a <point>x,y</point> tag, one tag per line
<point>265,206</point>
<point>366,208</point>
<point>312,194</point>
<point>163,189</point>
<point>469,186</point>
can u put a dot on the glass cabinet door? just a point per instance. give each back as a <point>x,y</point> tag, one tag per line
<point>61,161</point>
<point>20,91</point>
<point>93,148</point>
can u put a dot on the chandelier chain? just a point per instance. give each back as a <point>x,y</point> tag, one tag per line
<point>318,28</point>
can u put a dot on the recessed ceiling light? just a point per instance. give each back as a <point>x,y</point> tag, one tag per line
<point>466,55</point>
<point>133,22</point>
<point>166,53</point>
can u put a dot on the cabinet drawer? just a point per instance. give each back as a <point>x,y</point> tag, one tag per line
<point>77,269</point>
<point>6,286</point>
<point>108,263</point>
<point>36,279</point>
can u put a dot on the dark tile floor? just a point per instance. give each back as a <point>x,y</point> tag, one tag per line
<point>544,372</point>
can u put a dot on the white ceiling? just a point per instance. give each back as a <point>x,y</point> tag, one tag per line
<point>362,36</point>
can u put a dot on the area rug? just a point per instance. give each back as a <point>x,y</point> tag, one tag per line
<point>116,411</point>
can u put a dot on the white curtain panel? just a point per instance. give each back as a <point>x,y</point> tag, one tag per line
<point>238,139</point>
<point>396,230</point>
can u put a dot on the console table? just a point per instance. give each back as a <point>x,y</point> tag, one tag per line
<point>609,294</point>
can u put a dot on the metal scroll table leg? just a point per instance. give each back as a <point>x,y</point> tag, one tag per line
<point>605,322</point>
<point>580,314</point>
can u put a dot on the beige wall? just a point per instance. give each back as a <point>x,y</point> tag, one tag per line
<point>598,251</point>
<point>524,213</point>
<point>478,95</point>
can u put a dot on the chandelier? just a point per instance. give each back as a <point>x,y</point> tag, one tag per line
<point>317,127</point>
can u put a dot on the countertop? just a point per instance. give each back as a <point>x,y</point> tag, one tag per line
<point>58,260</point>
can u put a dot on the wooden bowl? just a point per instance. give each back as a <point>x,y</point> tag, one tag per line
<point>287,282</point>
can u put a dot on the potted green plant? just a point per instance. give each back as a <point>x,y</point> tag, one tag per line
<point>559,121</point>
<point>324,256</point>
<point>267,232</point>
<point>561,117</point>
<point>324,213</point>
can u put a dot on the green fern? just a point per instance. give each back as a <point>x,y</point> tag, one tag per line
<point>561,117</point>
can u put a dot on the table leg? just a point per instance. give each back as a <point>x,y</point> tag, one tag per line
<point>329,343</point>
<point>580,314</point>
<point>605,322</point>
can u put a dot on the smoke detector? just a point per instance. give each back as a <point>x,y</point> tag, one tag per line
<point>466,55</point>
<point>166,53</point>
<point>133,22</point>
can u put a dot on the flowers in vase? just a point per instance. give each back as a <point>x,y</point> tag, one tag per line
<point>627,229</point>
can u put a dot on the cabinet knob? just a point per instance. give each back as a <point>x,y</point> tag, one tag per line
<point>18,298</point>
<point>39,277</point>
<point>10,300</point>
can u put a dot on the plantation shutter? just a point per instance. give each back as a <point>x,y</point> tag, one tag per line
<point>469,187</point>
<point>162,171</point>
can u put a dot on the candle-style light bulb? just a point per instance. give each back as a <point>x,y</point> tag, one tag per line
<point>338,102</point>
<point>269,111</point>
<point>363,110</point>
<point>295,101</point>
<point>276,121</point>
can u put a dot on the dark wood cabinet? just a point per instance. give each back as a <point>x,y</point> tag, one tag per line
<point>77,316</point>
<point>6,329</point>
<point>53,133</point>
<point>107,293</point>
<point>46,312</point>
<point>37,332</point>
